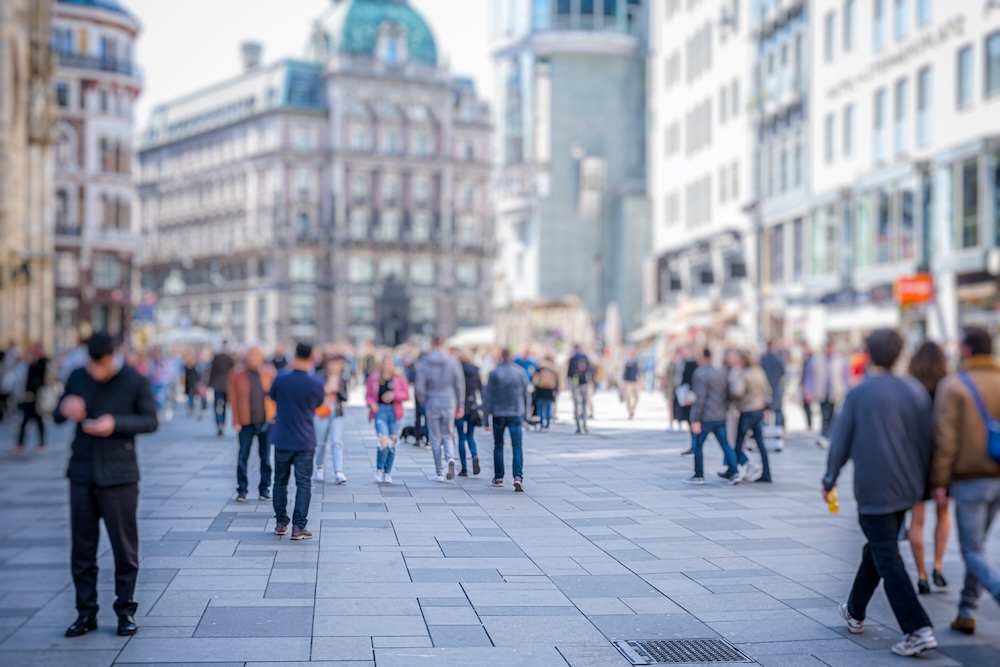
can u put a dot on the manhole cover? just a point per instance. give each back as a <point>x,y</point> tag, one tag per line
<point>680,651</point>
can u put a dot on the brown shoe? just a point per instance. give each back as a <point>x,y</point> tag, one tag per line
<point>281,529</point>
<point>301,533</point>
<point>967,626</point>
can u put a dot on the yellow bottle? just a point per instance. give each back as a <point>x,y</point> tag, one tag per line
<point>831,499</point>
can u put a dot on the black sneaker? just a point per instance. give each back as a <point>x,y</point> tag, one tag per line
<point>695,480</point>
<point>727,475</point>
<point>498,483</point>
<point>475,465</point>
<point>127,626</point>
<point>464,472</point>
<point>264,497</point>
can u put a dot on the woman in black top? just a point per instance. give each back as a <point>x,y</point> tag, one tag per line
<point>928,366</point>
<point>36,380</point>
<point>466,426</point>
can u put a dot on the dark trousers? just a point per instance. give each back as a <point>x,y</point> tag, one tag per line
<point>808,407</point>
<point>880,561</point>
<point>466,436</point>
<point>827,409</point>
<point>514,425</point>
<point>246,436</point>
<point>220,408</point>
<point>284,461</point>
<point>719,430</point>
<point>89,504</point>
<point>4,398</point>
<point>752,422</point>
<point>420,422</point>
<point>30,414</point>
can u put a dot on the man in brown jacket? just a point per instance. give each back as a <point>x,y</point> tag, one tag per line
<point>253,414</point>
<point>961,461</point>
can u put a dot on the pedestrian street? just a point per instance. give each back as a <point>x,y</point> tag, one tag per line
<point>606,544</point>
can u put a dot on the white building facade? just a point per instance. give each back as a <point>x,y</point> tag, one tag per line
<point>699,280</point>
<point>96,239</point>
<point>906,166</point>
<point>340,197</point>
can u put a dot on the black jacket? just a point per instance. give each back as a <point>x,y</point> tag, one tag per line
<point>218,375</point>
<point>127,397</point>
<point>473,386</point>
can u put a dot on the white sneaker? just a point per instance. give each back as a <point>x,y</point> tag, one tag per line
<point>854,626</point>
<point>755,472</point>
<point>341,478</point>
<point>320,475</point>
<point>438,478</point>
<point>388,478</point>
<point>379,476</point>
<point>916,643</point>
<point>451,470</point>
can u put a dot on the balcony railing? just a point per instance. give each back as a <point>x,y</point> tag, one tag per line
<point>110,65</point>
<point>68,229</point>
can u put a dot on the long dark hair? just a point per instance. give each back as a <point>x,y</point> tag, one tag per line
<point>928,365</point>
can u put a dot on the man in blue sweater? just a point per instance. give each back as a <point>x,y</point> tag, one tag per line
<point>297,395</point>
<point>506,401</point>
<point>885,428</point>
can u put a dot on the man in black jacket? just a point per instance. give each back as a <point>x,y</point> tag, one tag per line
<point>111,404</point>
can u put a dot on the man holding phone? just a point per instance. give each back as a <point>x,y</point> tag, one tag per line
<point>111,403</point>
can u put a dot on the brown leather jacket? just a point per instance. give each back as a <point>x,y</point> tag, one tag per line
<point>239,393</point>
<point>959,432</point>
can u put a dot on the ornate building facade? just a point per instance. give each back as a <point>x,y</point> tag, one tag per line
<point>26,116</point>
<point>344,196</point>
<point>96,86</point>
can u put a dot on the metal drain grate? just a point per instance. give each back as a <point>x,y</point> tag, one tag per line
<point>680,651</point>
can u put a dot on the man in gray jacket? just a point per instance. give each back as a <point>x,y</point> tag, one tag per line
<point>506,401</point>
<point>441,391</point>
<point>708,416</point>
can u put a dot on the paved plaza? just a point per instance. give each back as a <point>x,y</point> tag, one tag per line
<point>606,544</point>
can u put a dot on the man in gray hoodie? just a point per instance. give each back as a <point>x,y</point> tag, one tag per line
<point>708,416</point>
<point>441,391</point>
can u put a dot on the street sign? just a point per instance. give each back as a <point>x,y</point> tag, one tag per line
<point>144,313</point>
<point>915,289</point>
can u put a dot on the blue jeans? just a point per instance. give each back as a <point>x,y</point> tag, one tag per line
<point>329,436</point>
<point>752,422</point>
<point>386,427</point>
<point>977,502</point>
<point>284,460</point>
<point>220,408</point>
<point>246,436</point>
<point>466,434</point>
<point>514,425</point>
<point>545,412</point>
<point>719,430</point>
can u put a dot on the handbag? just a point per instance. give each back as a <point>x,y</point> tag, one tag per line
<point>476,417</point>
<point>992,425</point>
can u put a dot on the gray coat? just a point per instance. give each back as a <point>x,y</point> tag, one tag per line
<point>506,392</point>
<point>440,382</point>
<point>711,388</point>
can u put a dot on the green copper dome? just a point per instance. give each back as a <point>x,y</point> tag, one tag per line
<point>354,26</point>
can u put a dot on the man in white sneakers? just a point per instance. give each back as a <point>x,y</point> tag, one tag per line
<point>441,390</point>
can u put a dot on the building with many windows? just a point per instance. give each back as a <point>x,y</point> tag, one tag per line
<point>907,179</point>
<point>342,196</point>
<point>26,117</point>
<point>700,152</point>
<point>571,210</point>
<point>96,86</point>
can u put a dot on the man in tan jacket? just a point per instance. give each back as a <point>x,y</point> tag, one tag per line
<point>253,414</point>
<point>961,461</point>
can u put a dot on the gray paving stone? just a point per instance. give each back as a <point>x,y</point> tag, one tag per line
<point>652,626</point>
<point>368,607</point>
<point>455,575</point>
<point>369,626</point>
<point>528,656</point>
<point>458,635</point>
<point>593,656</point>
<point>450,616</point>
<point>256,622</point>
<point>626,585</point>
<point>485,549</point>
<point>542,630</point>
<point>342,648</point>
<point>34,658</point>
<point>204,649</point>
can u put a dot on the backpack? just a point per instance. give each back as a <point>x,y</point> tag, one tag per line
<point>992,425</point>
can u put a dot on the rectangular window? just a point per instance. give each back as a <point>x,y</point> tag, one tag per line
<point>884,238</point>
<point>969,200</point>
<point>422,272</point>
<point>392,266</point>
<point>900,19</point>
<point>778,255</point>
<point>901,129</point>
<point>848,27</point>
<point>878,25</point>
<point>723,106</point>
<point>302,269</point>
<point>878,137</point>
<point>848,130</point>
<point>107,272</point>
<point>783,171</point>
<point>302,309</point>
<point>923,12</point>
<point>361,309</point>
<point>964,80</point>
<point>67,270</point>
<point>797,165</point>
<point>797,250</point>
<point>360,270</point>
<point>62,94</point>
<point>924,92</point>
<point>828,29</point>
<point>992,64</point>
<point>467,274</point>
<point>828,140</point>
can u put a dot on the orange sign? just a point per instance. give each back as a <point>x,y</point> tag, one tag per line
<point>916,289</point>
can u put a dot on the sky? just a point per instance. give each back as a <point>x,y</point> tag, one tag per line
<point>186,45</point>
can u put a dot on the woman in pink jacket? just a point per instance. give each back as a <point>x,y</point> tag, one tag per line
<point>387,389</point>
